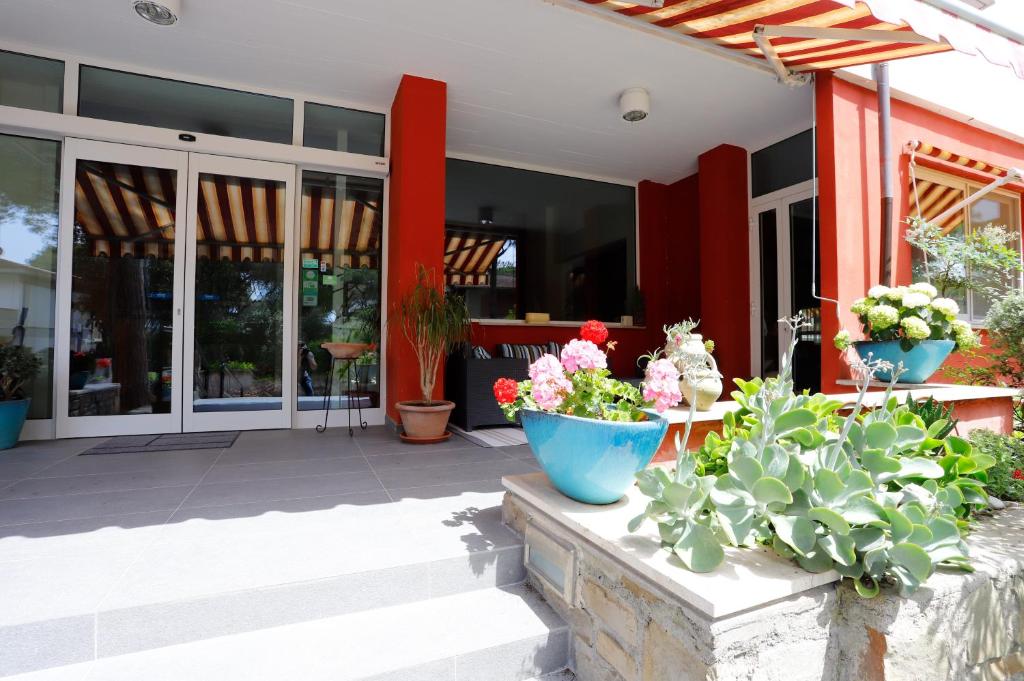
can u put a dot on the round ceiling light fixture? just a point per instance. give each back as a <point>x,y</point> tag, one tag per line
<point>635,104</point>
<point>163,13</point>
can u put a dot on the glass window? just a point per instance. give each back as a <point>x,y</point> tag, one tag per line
<point>122,284</point>
<point>29,187</point>
<point>337,129</point>
<point>932,195</point>
<point>145,100</point>
<point>339,295</point>
<point>782,164</point>
<point>31,82</point>
<point>521,241</point>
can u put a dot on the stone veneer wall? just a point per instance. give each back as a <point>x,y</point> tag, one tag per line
<point>960,626</point>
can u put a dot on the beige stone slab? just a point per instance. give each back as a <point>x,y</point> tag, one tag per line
<point>747,579</point>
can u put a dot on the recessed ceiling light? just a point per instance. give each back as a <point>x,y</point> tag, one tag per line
<point>163,13</point>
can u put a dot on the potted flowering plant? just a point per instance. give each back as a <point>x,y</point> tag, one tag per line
<point>908,326</point>
<point>590,432</point>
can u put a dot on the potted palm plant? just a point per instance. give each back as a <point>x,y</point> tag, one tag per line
<point>433,323</point>
<point>18,366</point>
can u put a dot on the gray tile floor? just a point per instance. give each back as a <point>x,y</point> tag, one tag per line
<point>79,534</point>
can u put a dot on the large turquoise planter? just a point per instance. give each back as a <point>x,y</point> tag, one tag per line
<point>588,460</point>
<point>920,362</point>
<point>12,418</point>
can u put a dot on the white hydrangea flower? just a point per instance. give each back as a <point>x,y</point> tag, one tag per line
<point>915,328</point>
<point>878,291</point>
<point>947,307</point>
<point>883,316</point>
<point>925,288</point>
<point>842,340</point>
<point>915,300</point>
<point>861,306</point>
<point>896,293</point>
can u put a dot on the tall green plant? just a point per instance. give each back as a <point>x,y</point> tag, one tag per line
<point>983,259</point>
<point>433,323</point>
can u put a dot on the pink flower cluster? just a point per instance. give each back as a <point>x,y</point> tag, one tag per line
<point>550,386</point>
<point>661,385</point>
<point>583,354</point>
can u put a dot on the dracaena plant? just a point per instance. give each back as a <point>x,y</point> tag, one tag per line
<point>861,494</point>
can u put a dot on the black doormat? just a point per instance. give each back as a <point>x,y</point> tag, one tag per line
<point>144,444</point>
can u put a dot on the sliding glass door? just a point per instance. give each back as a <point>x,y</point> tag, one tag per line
<point>173,287</point>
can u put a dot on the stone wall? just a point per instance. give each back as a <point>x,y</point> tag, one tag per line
<point>960,626</point>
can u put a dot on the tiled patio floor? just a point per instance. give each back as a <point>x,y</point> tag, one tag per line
<point>97,551</point>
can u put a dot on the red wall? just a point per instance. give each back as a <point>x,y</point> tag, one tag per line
<point>849,190</point>
<point>724,257</point>
<point>416,217</point>
<point>669,278</point>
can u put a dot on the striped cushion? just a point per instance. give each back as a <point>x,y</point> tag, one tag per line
<point>524,351</point>
<point>480,352</point>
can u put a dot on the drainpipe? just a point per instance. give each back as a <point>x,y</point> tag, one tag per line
<point>881,76</point>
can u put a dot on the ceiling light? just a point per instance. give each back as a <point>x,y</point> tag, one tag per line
<point>635,104</point>
<point>163,13</point>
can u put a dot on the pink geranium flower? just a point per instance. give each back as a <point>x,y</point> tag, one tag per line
<point>549,383</point>
<point>583,354</point>
<point>661,385</point>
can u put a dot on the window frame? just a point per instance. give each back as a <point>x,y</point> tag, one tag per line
<point>969,187</point>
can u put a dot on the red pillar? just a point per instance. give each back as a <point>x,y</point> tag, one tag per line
<point>416,217</point>
<point>725,258</point>
<point>828,229</point>
<point>652,233</point>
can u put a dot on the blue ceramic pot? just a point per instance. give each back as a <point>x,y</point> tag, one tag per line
<point>589,460</point>
<point>12,418</point>
<point>920,362</point>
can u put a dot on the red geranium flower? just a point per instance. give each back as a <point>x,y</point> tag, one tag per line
<point>1018,474</point>
<point>506,390</point>
<point>594,331</point>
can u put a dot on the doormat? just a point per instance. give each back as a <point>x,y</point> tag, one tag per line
<point>501,436</point>
<point>144,444</point>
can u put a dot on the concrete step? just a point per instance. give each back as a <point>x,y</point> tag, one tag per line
<point>496,634</point>
<point>72,595</point>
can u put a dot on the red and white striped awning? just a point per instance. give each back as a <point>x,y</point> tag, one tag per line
<point>468,257</point>
<point>792,36</point>
<point>129,211</point>
<point>916,147</point>
<point>933,199</point>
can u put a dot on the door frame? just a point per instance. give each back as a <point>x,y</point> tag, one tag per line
<point>121,424</point>
<point>193,421</point>
<point>779,200</point>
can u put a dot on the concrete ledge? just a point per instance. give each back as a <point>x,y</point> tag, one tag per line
<point>635,613</point>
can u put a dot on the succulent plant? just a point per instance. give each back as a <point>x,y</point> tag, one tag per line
<point>860,494</point>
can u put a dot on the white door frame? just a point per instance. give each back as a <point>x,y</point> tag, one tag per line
<point>239,420</point>
<point>85,426</point>
<point>779,200</point>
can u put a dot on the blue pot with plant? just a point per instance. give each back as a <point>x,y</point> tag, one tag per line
<point>911,328</point>
<point>590,433</point>
<point>18,366</point>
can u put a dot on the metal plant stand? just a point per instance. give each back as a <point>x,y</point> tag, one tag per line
<point>347,352</point>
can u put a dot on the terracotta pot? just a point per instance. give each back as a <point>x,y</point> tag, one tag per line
<point>423,420</point>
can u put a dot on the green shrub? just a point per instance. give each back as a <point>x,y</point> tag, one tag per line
<point>240,367</point>
<point>18,366</point>
<point>1008,452</point>
<point>860,494</point>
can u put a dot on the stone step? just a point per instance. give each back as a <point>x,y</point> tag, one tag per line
<point>496,634</point>
<point>216,572</point>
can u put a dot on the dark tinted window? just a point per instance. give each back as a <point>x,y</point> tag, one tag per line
<point>145,100</point>
<point>521,241</point>
<point>31,82</point>
<point>783,164</point>
<point>337,129</point>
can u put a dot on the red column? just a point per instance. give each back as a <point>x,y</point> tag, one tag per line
<point>416,217</point>
<point>828,229</point>
<point>725,258</point>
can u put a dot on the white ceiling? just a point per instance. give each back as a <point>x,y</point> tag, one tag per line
<point>529,82</point>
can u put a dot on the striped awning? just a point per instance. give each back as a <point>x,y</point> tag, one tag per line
<point>932,199</point>
<point>916,147</point>
<point>128,211</point>
<point>858,31</point>
<point>468,257</point>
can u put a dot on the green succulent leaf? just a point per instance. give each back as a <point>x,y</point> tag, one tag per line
<point>913,558</point>
<point>746,470</point>
<point>795,531</point>
<point>880,435</point>
<point>868,538</point>
<point>636,522</point>
<point>878,463</point>
<point>866,586</point>
<point>816,561</point>
<point>830,518</point>
<point>699,549</point>
<point>771,490</point>
<point>919,467</point>
<point>839,547</point>
<point>863,511</point>
<point>797,418</point>
<point>900,524</point>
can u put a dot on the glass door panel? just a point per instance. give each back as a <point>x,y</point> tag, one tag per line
<point>121,266</point>
<point>239,293</point>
